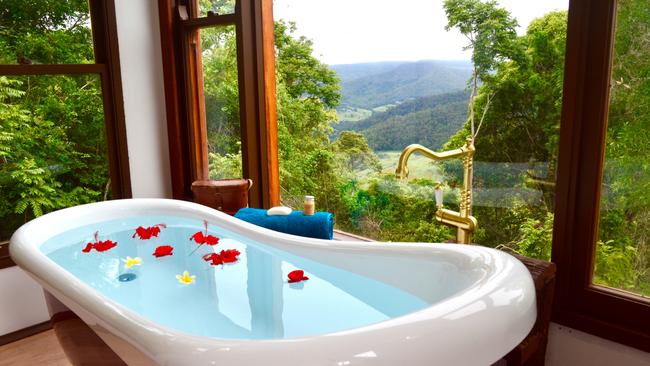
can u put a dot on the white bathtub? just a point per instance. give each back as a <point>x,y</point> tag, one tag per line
<point>481,302</point>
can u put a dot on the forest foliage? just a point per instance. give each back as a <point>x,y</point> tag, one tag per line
<point>428,121</point>
<point>52,140</point>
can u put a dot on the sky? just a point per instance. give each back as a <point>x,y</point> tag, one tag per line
<point>354,31</point>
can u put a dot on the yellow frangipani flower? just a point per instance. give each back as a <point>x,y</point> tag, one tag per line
<point>185,279</point>
<point>130,262</point>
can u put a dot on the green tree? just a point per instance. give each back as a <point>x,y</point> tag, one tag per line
<point>525,98</point>
<point>623,256</point>
<point>520,102</point>
<point>45,31</point>
<point>53,152</point>
<point>307,95</point>
<point>354,154</point>
<point>491,33</point>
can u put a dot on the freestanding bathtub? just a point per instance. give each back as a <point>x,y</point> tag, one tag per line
<point>362,304</point>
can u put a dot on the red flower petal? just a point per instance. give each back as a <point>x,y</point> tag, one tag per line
<point>142,233</point>
<point>211,240</point>
<point>297,276</point>
<point>98,245</point>
<point>208,257</point>
<point>214,258</point>
<point>145,233</point>
<point>105,245</point>
<point>163,250</point>
<point>154,231</point>
<point>198,237</point>
<point>229,255</point>
<point>201,238</point>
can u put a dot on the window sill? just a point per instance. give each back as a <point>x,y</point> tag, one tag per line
<point>344,236</point>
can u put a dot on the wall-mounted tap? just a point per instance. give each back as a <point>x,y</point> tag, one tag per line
<point>463,220</point>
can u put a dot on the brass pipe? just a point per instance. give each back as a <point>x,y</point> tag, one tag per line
<point>462,220</point>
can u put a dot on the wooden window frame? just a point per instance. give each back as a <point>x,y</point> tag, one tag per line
<point>107,67</point>
<point>253,21</point>
<point>579,304</point>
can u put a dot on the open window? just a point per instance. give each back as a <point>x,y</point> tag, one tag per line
<point>218,58</point>
<point>62,133</point>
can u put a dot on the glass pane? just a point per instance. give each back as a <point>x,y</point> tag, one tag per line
<point>221,93</point>
<point>45,32</point>
<point>623,249</point>
<point>347,108</point>
<point>217,7</point>
<point>52,146</point>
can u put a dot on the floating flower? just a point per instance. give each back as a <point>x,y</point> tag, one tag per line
<point>214,258</point>
<point>163,250</point>
<point>185,279</point>
<point>146,233</point>
<point>199,238</point>
<point>99,245</point>
<point>206,238</point>
<point>102,246</point>
<point>229,255</point>
<point>297,276</point>
<point>130,262</point>
<point>225,256</point>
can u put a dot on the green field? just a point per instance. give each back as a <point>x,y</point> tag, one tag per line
<point>383,108</point>
<point>353,114</point>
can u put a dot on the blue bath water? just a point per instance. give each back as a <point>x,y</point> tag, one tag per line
<point>248,299</point>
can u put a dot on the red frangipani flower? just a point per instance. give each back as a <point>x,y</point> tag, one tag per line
<point>297,276</point>
<point>145,233</point>
<point>98,245</point>
<point>163,250</point>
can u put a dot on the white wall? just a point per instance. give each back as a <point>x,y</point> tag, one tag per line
<point>22,303</point>
<point>144,99</point>
<point>570,347</point>
<point>21,299</point>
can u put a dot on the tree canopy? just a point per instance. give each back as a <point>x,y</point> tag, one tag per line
<point>52,142</point>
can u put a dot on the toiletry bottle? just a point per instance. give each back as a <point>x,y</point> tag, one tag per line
<point>310,206</point>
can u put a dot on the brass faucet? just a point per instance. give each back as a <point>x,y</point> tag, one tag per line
<point>463,220</point>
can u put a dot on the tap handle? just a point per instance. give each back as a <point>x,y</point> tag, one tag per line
<point>438,193</point>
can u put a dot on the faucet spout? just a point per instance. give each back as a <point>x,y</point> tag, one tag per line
<point>402,170</point>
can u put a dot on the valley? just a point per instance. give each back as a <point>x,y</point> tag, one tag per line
<point>394,104</point>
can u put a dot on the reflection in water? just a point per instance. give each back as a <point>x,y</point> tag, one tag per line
<point>265,294</point>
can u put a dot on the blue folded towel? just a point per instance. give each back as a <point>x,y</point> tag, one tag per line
<point>319,226</point>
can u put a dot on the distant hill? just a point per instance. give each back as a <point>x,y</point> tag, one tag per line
<point>348,72</point>
<point>371,85</point>
<point>429,121</point>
